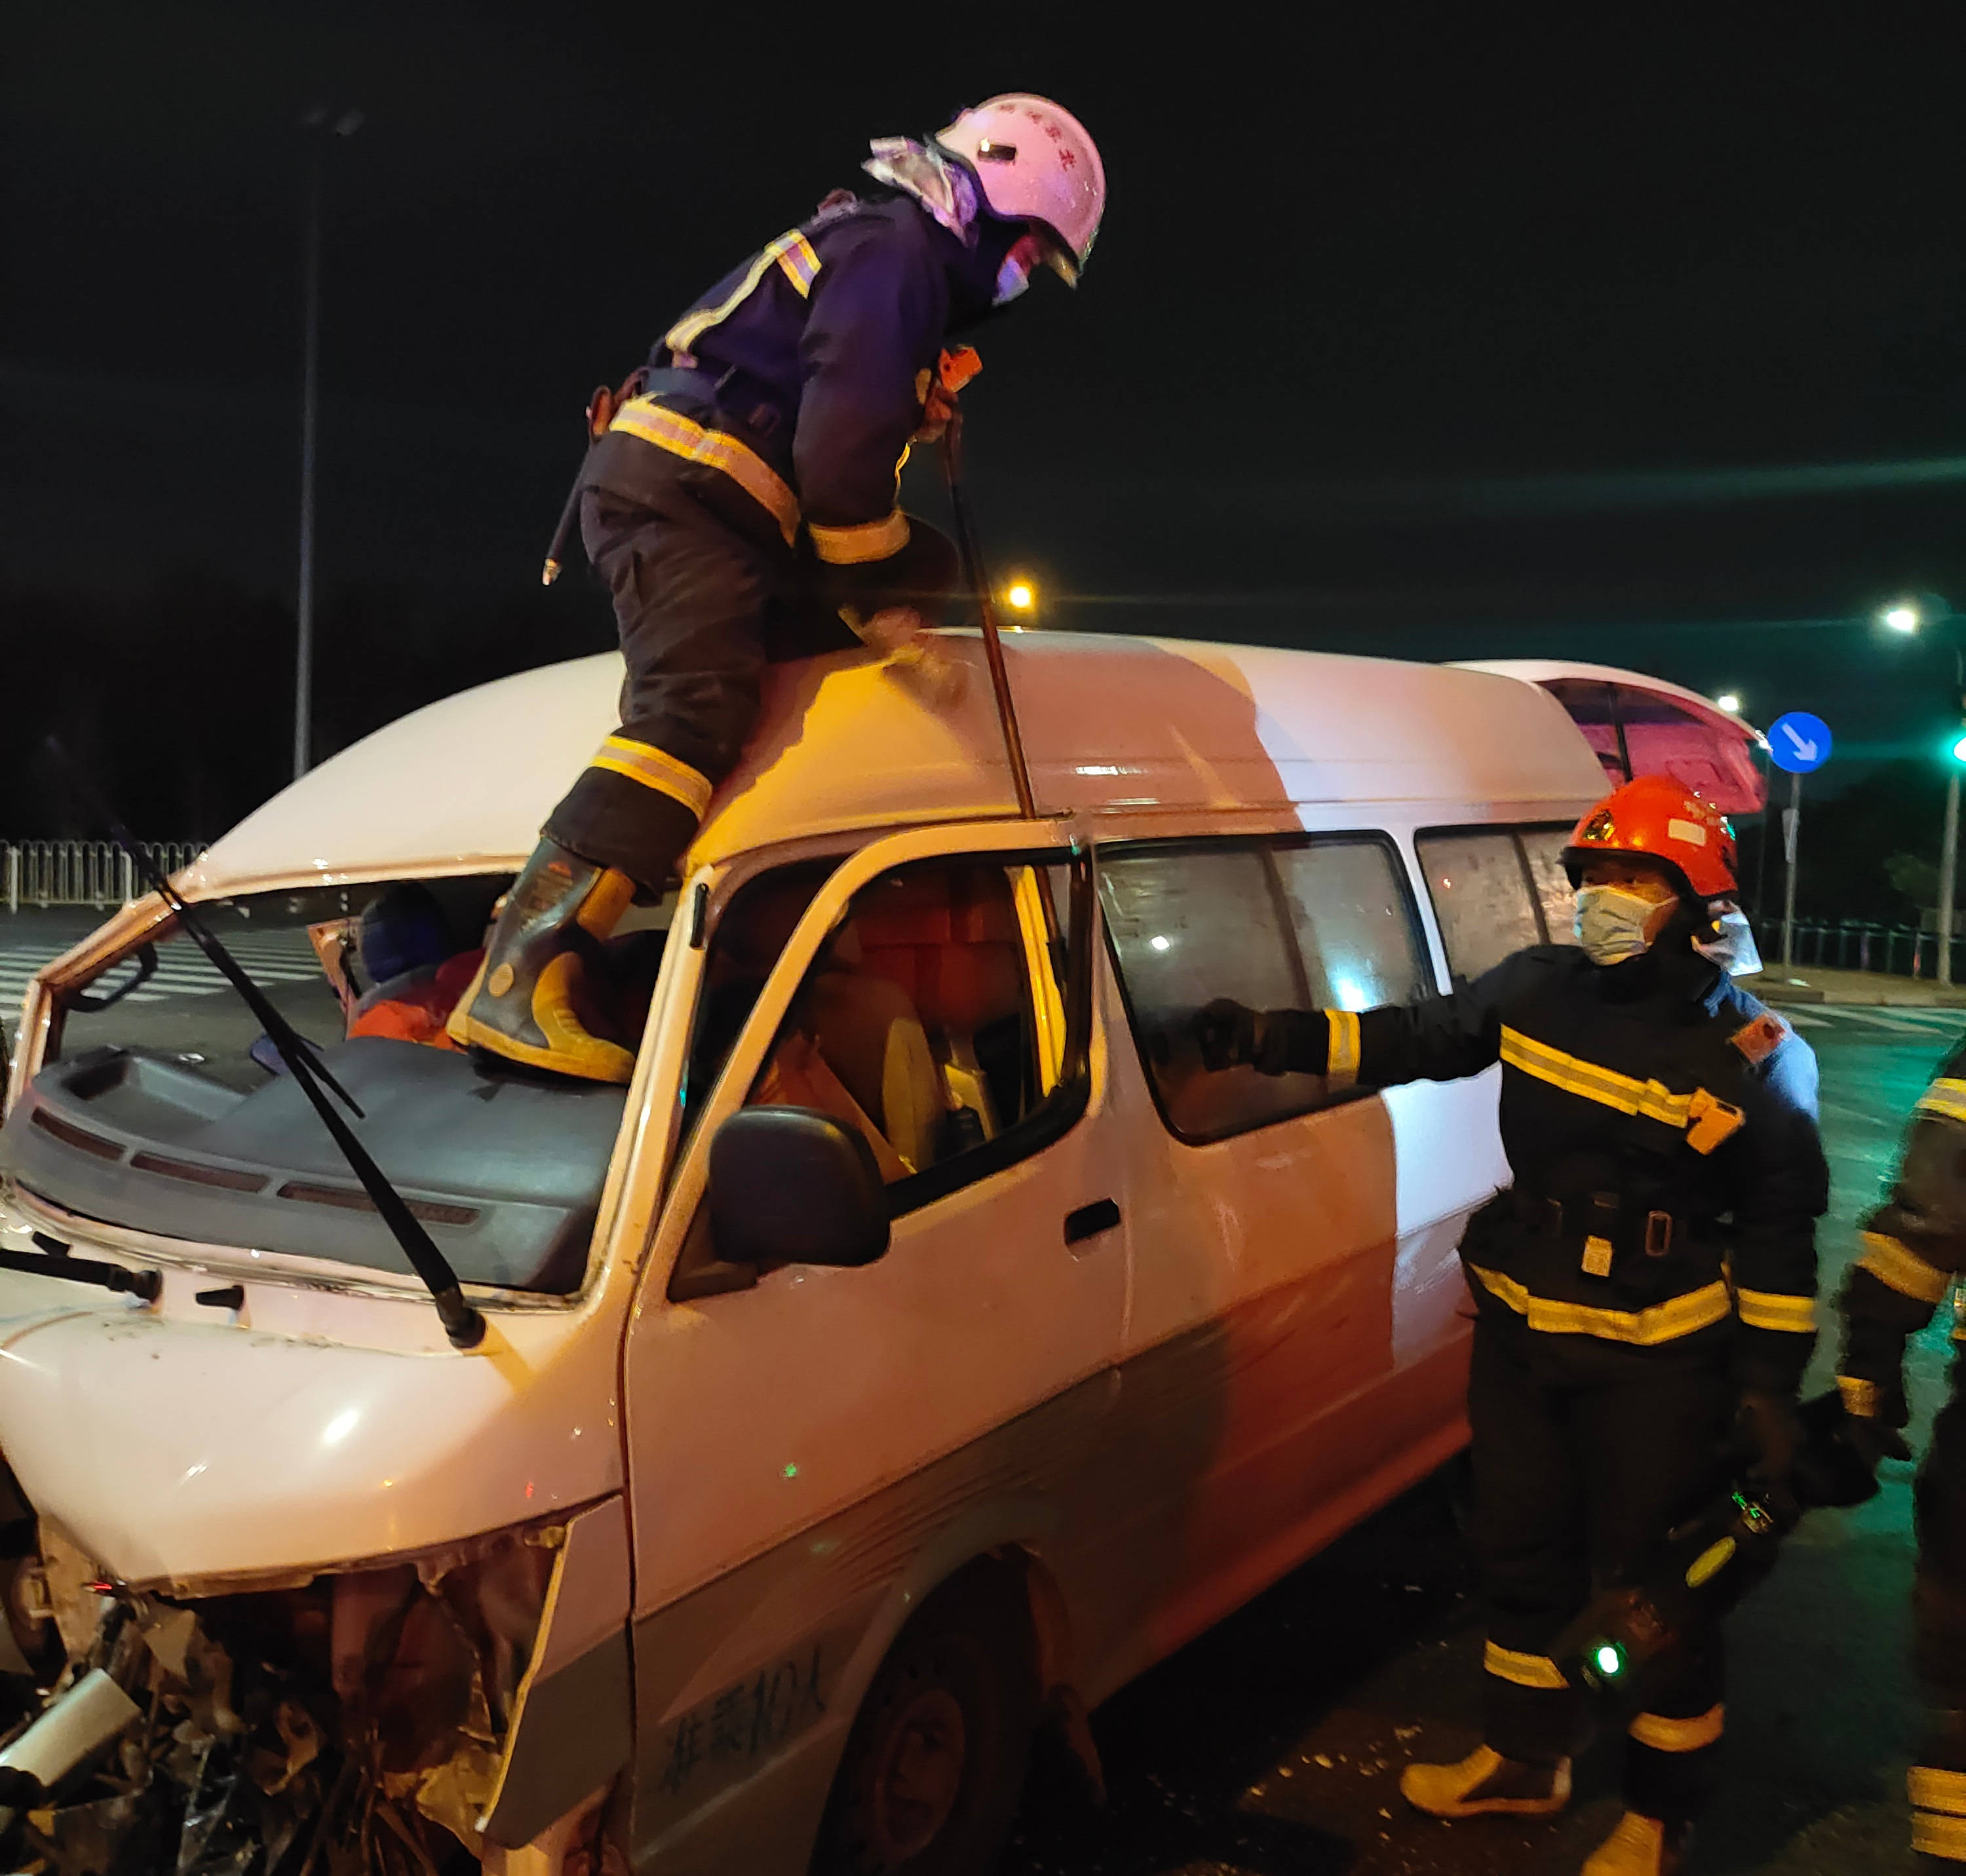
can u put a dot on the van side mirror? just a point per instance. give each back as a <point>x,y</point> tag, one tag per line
<point>792,1185</point>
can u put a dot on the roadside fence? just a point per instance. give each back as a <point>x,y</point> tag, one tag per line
<point>81,872</point>
<point>1850,944</point>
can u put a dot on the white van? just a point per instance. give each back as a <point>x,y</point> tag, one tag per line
<point>921,1346</point>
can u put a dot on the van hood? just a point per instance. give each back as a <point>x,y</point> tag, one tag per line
<point>183,1454</point>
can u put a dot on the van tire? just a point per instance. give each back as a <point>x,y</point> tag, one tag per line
<point>934,1766</point>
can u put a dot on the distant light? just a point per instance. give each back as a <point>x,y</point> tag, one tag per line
<point>1901,618</point>
<point>1610,1659</point>
<point>1959,750</point>
<point>1021,595</point>
<point>1158,943</point>
<point>1728,702</point>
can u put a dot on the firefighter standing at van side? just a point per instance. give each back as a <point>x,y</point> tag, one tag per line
<point>1644,1293</point>
<point>1914,1252</point>
<point>746,490</point>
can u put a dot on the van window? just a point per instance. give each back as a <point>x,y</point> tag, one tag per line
<point>933,1021</point>
<point>1495,889</point>
<point>1302,924</point>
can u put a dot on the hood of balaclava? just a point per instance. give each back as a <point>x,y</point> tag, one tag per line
<point>947,194</point>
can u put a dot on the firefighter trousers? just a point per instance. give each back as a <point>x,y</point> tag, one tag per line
<point>1939,1630</point>
<point>706,592</point>
<point>1585,1453</point>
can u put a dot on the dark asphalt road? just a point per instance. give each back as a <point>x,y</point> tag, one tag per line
<point>1273,1746</point>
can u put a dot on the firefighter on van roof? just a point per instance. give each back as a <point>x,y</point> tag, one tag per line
<point>741,500</point>
<point>1914,1253</point>
<point>1661,1126</point>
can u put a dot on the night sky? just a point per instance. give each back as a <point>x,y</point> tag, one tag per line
<point>1438,334</point>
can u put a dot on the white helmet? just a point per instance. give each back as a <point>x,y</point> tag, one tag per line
<point>1033,162</point>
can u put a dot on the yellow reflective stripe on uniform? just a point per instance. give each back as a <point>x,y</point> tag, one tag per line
<point>1341,1060</point>
<point>1934,1835</point>
<point>1652,1099</point>
<point>1944,1097</point>
<point>1664,1735</point>
<point>1773,1309</point>
<point>655,768</point>
<point>792,254</point>
<point>1895,1264</point>
<point>1663,1322</point>
<point>682,436</point>
<point>1539,1671</point>
<point>864,541</point>
<point>1860,1396</point>
<point>1932,1790</point>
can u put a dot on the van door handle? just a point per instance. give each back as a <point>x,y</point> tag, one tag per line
<point>1090,1220</point>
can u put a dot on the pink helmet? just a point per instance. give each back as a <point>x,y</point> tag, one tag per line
<point>1034,163</point>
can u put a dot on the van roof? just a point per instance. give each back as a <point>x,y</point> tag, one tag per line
<point>845,743</point>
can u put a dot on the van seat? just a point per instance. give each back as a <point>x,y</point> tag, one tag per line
<point>951,942</point>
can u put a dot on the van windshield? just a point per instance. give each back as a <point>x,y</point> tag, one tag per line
<point>162,1106</point>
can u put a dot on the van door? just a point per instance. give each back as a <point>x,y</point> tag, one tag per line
<point>1260,1348</point>
<point>813,1450</point>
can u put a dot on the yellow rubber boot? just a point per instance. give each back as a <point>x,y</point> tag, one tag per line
<point>520,1004</point>
<point>1484,1784</point>
<point>1640,1846</point>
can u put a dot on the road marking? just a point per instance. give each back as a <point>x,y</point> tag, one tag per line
<point>1796,1019</point>
<point>1895,1023</point>
<point>182,971</point>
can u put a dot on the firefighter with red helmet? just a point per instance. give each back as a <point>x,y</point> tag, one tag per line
<point>1914,1253</point>
<point>741,502</point>
<point>1644,1293</point>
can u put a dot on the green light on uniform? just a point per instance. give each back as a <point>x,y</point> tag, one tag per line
<point>1610,1660</point>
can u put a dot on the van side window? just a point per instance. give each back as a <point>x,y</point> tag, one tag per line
<point>933,1022</point>
<point>1300,923</point>
<point>1495,889</point>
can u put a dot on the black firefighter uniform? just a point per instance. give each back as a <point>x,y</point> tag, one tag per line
<point>1654,1259</point>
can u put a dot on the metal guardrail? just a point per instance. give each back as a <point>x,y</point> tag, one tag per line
<point>81,872</point>
<point>1850,944</point>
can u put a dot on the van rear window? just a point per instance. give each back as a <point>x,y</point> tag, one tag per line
<point>1317,924</point>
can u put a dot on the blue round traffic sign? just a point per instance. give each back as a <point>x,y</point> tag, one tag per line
<point>1798,742</point>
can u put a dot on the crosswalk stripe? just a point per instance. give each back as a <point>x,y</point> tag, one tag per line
<point>182,971</point>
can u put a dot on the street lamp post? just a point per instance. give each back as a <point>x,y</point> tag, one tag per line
<point>1910,616</point>
<point>320,123</point>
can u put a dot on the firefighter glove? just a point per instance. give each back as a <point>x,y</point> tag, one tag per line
<point>1230,1034</point>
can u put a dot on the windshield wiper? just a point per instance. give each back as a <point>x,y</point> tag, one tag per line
<point>463,1324</point>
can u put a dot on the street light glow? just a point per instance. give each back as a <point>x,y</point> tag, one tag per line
<point>1020,595</point>
<point>1959,751</point>
<point>1728,702</point>
<point>1902,617</point>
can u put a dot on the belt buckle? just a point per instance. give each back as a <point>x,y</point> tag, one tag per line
<point>1658,1233</point>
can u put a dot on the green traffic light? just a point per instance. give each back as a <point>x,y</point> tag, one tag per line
<point>1610,1657</point>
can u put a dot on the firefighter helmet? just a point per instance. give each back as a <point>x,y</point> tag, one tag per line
<point>1034,163</point>
<point>1654,818</point>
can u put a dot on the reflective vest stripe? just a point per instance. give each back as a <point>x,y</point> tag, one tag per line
<point>1860,1396</point>
<point>682,436</point>
<point>1897,1265</point>
<point>654,769</point>
<point>864,541</point>
<point>1934,1835</point>
<point>1536,1670</point>
<point>1932,1790</point>
<point>1706,1120</point>
<point>1944,1097</point>
<point>1665,1734</point>
<point>1774,1309</point>
<point>1341,1050</point>
<point>1664,1322</point>
<point>792,254</point>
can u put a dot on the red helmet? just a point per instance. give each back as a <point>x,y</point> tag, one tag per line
<point>1654,818</point>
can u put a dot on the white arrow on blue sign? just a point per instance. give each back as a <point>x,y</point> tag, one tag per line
<point>1798,742</point>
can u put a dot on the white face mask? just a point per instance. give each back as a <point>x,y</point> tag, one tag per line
<point>1611,923</point>
<point>1733,947</point>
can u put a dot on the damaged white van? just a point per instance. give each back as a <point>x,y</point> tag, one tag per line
<point>918,1349</point>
